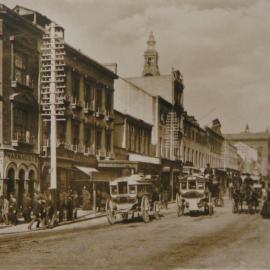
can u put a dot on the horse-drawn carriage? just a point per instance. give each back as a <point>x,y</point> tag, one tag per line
<point>132,196</point>
<point>245,195</point>
<point>194,195</point>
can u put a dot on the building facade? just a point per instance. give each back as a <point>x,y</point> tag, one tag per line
<point>258,141</point>
<point>85,140</point>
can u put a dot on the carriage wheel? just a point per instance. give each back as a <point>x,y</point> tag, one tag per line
<point>156,210</point>
<point>111,216</point>
<point>145,207</point>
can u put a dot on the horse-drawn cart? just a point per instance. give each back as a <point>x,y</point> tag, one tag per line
<point>130,197</point>
<point>194,195</point>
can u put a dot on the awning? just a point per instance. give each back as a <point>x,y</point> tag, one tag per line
<point>86,170</point>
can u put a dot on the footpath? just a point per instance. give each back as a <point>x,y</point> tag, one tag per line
<point>82,215</point>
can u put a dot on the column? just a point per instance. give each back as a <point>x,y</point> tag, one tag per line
<point>69,131</point>
<point>103,148</point>
<point>81,136</point>
<point>103,99</point>
<point>112,145</point>
<point>11,120</point>
<point>81,91</point>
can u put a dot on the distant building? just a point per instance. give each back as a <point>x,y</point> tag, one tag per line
<point>202,145</point>
<point>260,142</point>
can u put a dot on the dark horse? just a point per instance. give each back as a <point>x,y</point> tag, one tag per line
<point>244,193</point>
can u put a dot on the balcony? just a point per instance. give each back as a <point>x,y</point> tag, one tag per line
<point>110,156</point>
<point>22,138</point>
<point>75,103</point>
<point>89,107</point>
<point>89,150</point>
<point>100,112</point>
<point>100,154</point>
<point>25,82</point>
<point>109,116</point>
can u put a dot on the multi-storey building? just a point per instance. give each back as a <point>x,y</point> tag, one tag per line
<point>19,109</point>
<point>84,139</point>
<point>202,145</point>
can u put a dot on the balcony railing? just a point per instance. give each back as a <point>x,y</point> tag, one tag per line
<point>23,137</point>
<point>89,150</point>
<point>25,81</point>
<point>75,103</point>
<point>89,107</point>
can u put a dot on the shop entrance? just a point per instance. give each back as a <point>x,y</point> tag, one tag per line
<point>31,187</point>
<point>21,187</point>
<point>11,182</point>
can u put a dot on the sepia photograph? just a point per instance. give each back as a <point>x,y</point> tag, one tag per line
<point>134,134</point>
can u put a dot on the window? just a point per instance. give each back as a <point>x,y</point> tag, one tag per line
<point>76,86</point>
<point>88,92</point>
<point>108,101</point>
<point>192,185</point>
<point>75,140</point>
<point>132,189</point>
<point>98,140</point>
<point>87,136</point>
<point>20,67</point>
<point>98,99</point>
<point>122,187</point>
<point>21,122</point>
<point>113,190</point>
<point>108,142</point>
<point>61,131</point>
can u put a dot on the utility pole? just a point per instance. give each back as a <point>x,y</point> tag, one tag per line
<point>52,91</point>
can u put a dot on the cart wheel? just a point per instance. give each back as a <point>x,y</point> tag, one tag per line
<point>156,210</point>
<point>145,206</point>
<point>211,210</point>
<point>111,217</point>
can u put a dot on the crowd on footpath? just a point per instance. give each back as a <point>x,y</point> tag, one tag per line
<point>39,209</point>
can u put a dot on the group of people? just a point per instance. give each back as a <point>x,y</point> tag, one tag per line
<point>38,208</point>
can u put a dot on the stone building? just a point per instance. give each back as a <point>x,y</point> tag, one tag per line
<point>84,139</point>
<point>19,109</point>
<point>202,145</point>
<point>260,142</point>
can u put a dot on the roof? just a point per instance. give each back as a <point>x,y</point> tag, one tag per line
<point>133,179</point>
<point>248,136</point>
<point>155,85</point>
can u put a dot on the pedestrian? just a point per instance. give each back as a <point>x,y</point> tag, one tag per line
<point>69,206</point>
<point>86,198</point>
<point>230,190</point>
<point>5,210</point>
<point>13,209</point>
<point>75,198</point>
<point>36,213</point>
<point>26,207</point>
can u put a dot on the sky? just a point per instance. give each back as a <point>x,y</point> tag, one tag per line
<point>222,48</point>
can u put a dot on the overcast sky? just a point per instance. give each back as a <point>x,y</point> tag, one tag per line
<point>222,48</point>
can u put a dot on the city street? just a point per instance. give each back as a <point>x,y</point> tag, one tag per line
<point>224,240</point>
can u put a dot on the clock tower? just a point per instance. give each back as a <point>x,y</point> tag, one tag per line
<point>151,58</point>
